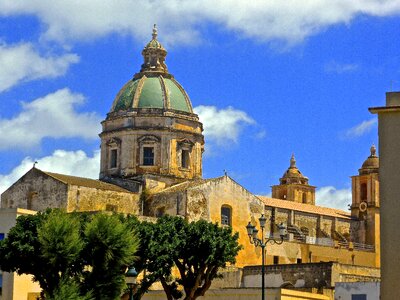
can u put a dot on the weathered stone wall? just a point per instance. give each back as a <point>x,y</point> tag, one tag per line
<point>354,273</point>
<point>35,191</point>
<point>162,130</point>
<point>308,221</point>
<point>172,204</point>
<point>244,207</point>
<point>311,275</point>
<point>90,199</point>
<point>205,200</point>
<point>345,290</point>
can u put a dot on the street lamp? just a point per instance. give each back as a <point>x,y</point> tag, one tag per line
<point>130,279</point>
<point>252,232</point>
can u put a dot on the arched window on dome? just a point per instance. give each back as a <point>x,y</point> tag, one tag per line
<point>226,215</point>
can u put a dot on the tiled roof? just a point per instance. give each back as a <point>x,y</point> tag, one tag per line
<point>307,208</point>
<point>86,182</point>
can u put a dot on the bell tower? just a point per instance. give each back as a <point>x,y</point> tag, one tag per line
<point>151,133</point>
<point>365,199</point>
<point>294,186</point>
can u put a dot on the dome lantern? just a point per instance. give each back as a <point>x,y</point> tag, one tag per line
<point>154,56</point>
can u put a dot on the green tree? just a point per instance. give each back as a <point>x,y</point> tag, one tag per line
<point>110,248</point>
<point>60,248</point>
<point>20,252</point>
<point>197,250</point>
<point>55,247</point>
<point>69,289</point>
<point>202,249</point>
<point>154,260</point>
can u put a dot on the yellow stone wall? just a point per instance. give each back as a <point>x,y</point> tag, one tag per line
<point>205,200</point>
<point>91,199</point>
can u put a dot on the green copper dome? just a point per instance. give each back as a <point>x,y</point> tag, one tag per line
<point>152,92</point>
<point>153,86</point>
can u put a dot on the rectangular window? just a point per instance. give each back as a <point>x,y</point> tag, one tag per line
<point>148,156</point>
<point>359,297</point>
<point>2,236</point>
<point>185,159</point>
<point>113,158</point>
<point>276,260</point>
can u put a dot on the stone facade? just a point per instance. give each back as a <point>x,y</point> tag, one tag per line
<point>315,233</point>
<point>38,190</point>
<point>311,275</point>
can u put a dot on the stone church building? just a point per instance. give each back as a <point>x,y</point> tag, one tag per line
<point>151,165</point>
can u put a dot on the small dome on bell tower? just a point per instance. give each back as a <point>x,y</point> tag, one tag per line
<point>294,186</point>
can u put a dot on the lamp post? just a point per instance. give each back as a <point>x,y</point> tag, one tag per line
<point>252,232</point>
<point>130,279</point>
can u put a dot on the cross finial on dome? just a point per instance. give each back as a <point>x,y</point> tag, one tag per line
<point>154,32</point>
<point>373,150</point>
<point>292,161</point>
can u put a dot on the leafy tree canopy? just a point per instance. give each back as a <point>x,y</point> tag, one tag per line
<point>197,250</point>
<point>57,248</point>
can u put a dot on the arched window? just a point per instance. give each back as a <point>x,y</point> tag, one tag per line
<point>226,215</point>
<point>304,197</point>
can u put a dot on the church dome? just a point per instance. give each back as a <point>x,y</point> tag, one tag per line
<point>371,164</point>
<point>293,174</point>
<point>153,87</point>
<point>152,92</point>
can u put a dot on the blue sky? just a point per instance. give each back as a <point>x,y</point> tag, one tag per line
<point>267,79</point>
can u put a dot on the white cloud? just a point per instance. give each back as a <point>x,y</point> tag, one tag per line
<point>21,63</point>
<point>75,163</point>
<point>222,126</point>
<point>361,129</point>
<point>180,21</point>
<point>53,116</point>
<point>340,68</point>
<point>329,196</point>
